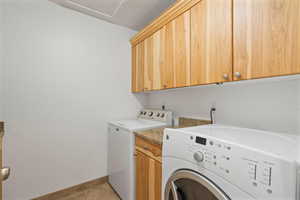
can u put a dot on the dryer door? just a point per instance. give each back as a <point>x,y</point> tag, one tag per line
<point>189,185</point>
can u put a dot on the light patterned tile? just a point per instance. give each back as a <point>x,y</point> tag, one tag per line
<point>101,192</point>
<point>97,192</point>
<point>74,196</point>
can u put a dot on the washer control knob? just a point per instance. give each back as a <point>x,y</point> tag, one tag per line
<point>162,115</point>
<point>158,114</point>
<point>199,156</point>
<point>150,114</point>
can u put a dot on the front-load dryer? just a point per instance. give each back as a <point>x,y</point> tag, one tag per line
<point>227,163</point>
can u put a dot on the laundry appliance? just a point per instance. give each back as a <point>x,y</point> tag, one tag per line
<point>121,163</point>
<point>228,163</point>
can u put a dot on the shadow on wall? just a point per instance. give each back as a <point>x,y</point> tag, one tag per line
<point>267,104</point>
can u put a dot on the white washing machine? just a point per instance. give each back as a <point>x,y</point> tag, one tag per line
<point>227,163</point>
<point>121,165</point>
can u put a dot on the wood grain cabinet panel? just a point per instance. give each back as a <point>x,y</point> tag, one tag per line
<point>154,61</point>
<point>211,42</point>
<point>178,50</point>
<point>148,63</point>
<point>142,176</point>
<point>266,38</point>
<point>153,150</point>
<point>169,62</point>
<point>158,181</point>
<point>167,57</point>
<point>158,59</point>
<point>138,53</point>
<point>148,177</point>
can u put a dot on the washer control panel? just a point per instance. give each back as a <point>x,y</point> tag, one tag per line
<point>256,173</point>
<point>157,115</point>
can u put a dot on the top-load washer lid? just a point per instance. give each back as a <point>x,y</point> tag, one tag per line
<point>137,124</point>
<point>281,145</point>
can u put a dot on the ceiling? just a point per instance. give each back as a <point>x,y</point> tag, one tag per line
<point>134,14</point>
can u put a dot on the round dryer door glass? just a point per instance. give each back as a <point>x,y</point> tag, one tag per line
<point>188,185</point>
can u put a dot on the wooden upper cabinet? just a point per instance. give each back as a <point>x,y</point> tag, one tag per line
<point>167,58</point>
<point>178,60</point>
<point>138,54</point>
<point>137,82</point>
<point>167,55</point>
<point>153,61</point>
<point>158,59</point>
<point>266,38</point>
<point>134,73</point>
<point>199,42</point>
<point>211,42</point>
<point>148,63</point>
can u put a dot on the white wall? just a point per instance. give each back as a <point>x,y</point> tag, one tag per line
<point>268,105</point>
<point>66,75</point>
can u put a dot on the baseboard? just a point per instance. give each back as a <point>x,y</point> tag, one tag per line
<point>76,188</point>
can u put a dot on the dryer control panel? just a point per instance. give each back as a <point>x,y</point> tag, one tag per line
<point>258,174</point>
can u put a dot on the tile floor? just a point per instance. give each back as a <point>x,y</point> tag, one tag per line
<point>97,192</point>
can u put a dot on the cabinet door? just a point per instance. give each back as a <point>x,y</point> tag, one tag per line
<point>148,64</point>
<point>148,178</point>
<point>177,68</point>
<point>142,176</point>
<point>158,59</point>
<point>154,61</point>
<point>138,54</point>
<point>211,42</point>
<point>158,181</point>
<point>167,57</point>
<point>266,38</point>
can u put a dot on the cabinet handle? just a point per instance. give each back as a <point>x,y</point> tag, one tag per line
<point>225,76</point>
<point>5,172</point>
<point>238,74</point>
